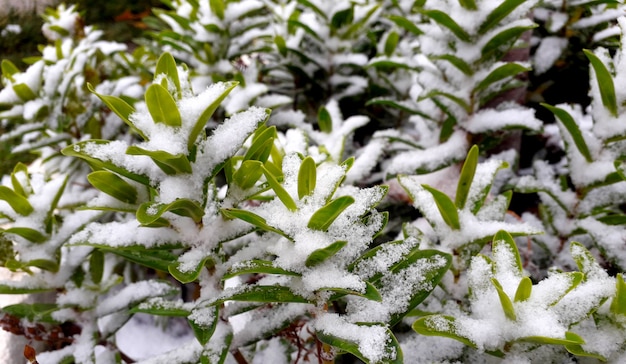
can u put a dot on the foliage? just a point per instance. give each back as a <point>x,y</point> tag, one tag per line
<point>311,181</point>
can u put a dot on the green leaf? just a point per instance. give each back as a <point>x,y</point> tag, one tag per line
<point>167,65</point>
<point>78,150</point>
<point>7,289</point>
<point>199,125</point>
<point>169,163</point>
<point>248,173</point>
<point>391,43</point>
<point>17,186</point>
<point>585,261</point>
<point>280,191</point>
<point>441,325</point>
<point>307,177</point>
<point>324,120</point>
<point>113,185</point>
<point>405,24</point>
<point>446,207</point>
<point>281,45</point>
<point>570,125</point>
<point>318,256</point>
<point>217,7</point>
<point>261,147</point>
<point>160,307</point>
<point>569,339</point>
<point>256,266</point>
<point>579,351</point>
<point>505,71</point>
<point>467,176</point>
<point>505,38</point>
<point>342,17</point>
<point>503,240</point>
<point>274,294</point>
<point>24,92</point>
<point>149,212</point>
<point>324,217</point>
<point>393,350</point>
<point>505,301</point>
<point>499,13</point>
<point>468,4</point>
<point>433,264</point>
<point>120,107</point>
<point>253,219</point>
<point>371,293</point>
<point>9,69</point>
<point>605,82</point>
<point>445,20</point>
<point>156,258</point>
<point>96,266</point>
<point>27,233</point>
<point>524,289</point>
<point>17,202</point>
<point>33,312</point>
<point>190,275</point>
<point>457,100</point>
<point>162,106</point>
<point>204,330</point>
<point>618,305</point>
<point>457,62</point>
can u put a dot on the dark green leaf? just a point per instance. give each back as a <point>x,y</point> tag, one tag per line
<point>499,13</point>
<point>446,207</point>
<point>27,233</point>
<point>120,107</point>
<point>34,312</point>
<point>149,212</point>
<point>468,4</point>
<point>605,82</point>
<point>307,177</point>
<point>391,43</point>
<point>500,42</point>
<point>342,17</point>
<point>318,256</point>
<point>393,350</point>
<point>113,185</point>
<point>162,106</point>
<point>96,266</point>
<point>324,121</point>
<point>204,330</point>
<point>371,292</point>
<point>570,125</point>
<point>445,20</point>
<point>169,163</point>
<point>188,276</point>
<point>275,294</point>
<point>466,177</point>
<point>256,266</point>
<point>505,71</point>
<point>281,45</point>
<point>457,62</point>
<point>253,219</point>
<point>324,217</point>
<point>161,307</point>
<point>405,24</point>
<point>440,325</point>
<point>9,289</point>
<point>261,147</point>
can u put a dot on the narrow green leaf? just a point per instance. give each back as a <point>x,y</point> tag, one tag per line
<point>96,266</point>
<point>149,212</point>
<point>274,294</point>
<point>324,217</point>
<point>318,256</point>
<point>7,289</point>
<point>44,264</point>
<point>162,106</point>
<point>505,301</point>
<point>405,24</point>
<point>33,312</point>
<point>441,325</point>
<point>618,304</point>
<point>503,240</point>
<point>342,18</point>
<point>156,258</point>
<point>167,65</point>
<point>120,107</point>
<point>248,173</point>
<point>524,289</point>
<point>393,350</point>
<point>280,191</point>
<point>256,266</point>
<point>371,292</point>
<point>467,176</point>
<point>17,202</point>
<point>499,13</point>
<point>468,4</point>
<point>169,163</point>
<point>199,125</point>
<point>217,7</point>
<point>605,82</point>
<point>160,307</point>
<point>570,125</point>
<point>78,150</point>
<point>27,233</point>
<point>20,168</point>
<point>445,20</point>
<point>501,42</point>
<point>253,219</point>
<point>324,120</point>
<point>569,339</point>
<point>578,350</point>
<point>281,45</point>
<point>188,276</point>
<point>113,185</point>
<point>261,147</point>
<point>446,207</point>
<point>584,259</point>
<point>391,43</point>
<point>307,177</point>
<point>505,71</point>
<point>456,99</point>
<point>457,62</point>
